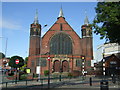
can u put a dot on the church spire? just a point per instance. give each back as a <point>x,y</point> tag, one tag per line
<point>61,13</point>
<point>36,17</point>
<point>86,21</point>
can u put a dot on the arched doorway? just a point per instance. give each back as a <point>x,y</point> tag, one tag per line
<point>56,66</point>
<point>65,66</point>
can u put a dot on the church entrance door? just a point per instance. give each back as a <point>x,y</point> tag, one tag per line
<point>65,66</point>
<point>56,66</point>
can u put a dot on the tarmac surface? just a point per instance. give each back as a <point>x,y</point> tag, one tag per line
<point>65,84</point>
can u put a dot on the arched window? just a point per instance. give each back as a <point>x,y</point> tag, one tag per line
<point>61,43</point>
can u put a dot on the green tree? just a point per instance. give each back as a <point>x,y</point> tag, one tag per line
<point>25,64</point>
<point>2,55</point>
<point>107,21</point>
<point>26,60</point>
<point>13,64</point>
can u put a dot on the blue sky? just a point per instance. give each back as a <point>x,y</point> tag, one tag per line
<point>17,17</point>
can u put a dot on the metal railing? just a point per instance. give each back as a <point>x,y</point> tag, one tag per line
<point>31,82</point>
<point>43,81</point>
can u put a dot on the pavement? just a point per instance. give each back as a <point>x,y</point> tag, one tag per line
<point>86,85</point>
<point>75,83</point>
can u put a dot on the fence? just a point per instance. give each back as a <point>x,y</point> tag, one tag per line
<point>43,82</point>
<point>33,82</point>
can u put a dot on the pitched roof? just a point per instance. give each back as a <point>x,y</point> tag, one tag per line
<point>61,25</point>
<point>112,56</point>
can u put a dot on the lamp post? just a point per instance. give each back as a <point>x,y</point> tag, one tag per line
<point>5,44</point>
<point>17,70</point>
<point>60,69</point>
<point>5,51</point>
<point>39,66</point>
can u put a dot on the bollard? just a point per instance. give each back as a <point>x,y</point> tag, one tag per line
<point>6,84</point>
<point>37,80</point>
<point>41,82</point>
<point>16,81</point>
<point>59,77</point>
<point>26,83</point>
<point>90,81</point>
<point>104,85</point>
<point>33,75</point>
<point>114,80</point>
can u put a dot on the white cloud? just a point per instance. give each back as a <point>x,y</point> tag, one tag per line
<point>9,24</point>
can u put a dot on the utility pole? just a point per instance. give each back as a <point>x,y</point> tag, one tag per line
<point>5,54</point>
<point>39,66</point>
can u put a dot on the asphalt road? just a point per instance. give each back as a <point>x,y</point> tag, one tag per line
<point>73,84</point>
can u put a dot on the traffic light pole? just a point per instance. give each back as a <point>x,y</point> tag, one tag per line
<point>49,71</point>
<point>103,64</point>
<point>83,66</point>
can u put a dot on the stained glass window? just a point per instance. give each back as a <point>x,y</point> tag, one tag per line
<point>88,63</point>
<point>78,63</point>
<point>32,64</point>
<point>61,44</point>
<point>43,62</point>
<point>37,62</point>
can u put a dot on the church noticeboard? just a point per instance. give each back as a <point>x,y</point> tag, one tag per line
<point>28,70</point>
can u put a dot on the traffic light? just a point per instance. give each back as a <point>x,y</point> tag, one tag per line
<point>83,58</point>
<point>83,64</point>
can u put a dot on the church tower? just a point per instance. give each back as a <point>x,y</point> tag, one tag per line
<point>62,44</point>
<point>86,29</point>
<point>86,42</point>
<point>35,35</point>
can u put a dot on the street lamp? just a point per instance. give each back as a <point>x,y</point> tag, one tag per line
<point>5,50</point>
<point>39,69</point>
<point>60,69</point>
<point>5,44</point>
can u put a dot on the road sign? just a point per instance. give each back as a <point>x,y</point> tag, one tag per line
<point>28,70</point>
<point>17,61</point>
<point>38,70</point>
<point>84,71</point>
<point>48,58</point>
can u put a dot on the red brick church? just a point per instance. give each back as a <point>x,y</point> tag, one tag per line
<point>64,46</point>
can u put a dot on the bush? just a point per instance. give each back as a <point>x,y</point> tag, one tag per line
<point>55,74</point>
<point>11,73</point>
<point>46,72</point>
<point>70,75</point>
<point>23,77</point>
<point>35,75</point>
